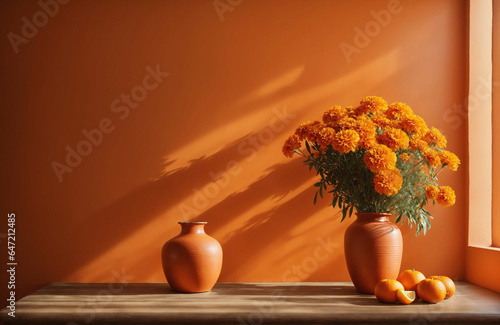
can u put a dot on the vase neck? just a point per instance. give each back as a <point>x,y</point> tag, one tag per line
<point>373,216</point>
<point>192,227</point>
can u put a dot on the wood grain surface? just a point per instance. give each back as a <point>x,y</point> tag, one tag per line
<point>243,303</point>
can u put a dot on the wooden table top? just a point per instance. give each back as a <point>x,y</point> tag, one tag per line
<point>243,303</point>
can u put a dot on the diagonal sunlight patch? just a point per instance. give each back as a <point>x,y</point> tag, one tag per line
<point>216,140</point>
<point>381,68</point>
<point>275,85</point>
<point>155,231</point>
<point>376,71</point>
<point>245,219</point>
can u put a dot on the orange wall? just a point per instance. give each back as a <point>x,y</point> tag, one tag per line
<point>236,89</point>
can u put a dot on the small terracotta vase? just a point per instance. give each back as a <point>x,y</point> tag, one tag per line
<point>192,260</point>
<point>373,248</point>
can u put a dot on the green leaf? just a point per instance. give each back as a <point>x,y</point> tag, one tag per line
<point>350,211</point>
<point>315,198</point>
<point>308,148</point>
<point>418,230</point>
<point>321,192</point>
<point>334,202</point>
<point>344,213</point>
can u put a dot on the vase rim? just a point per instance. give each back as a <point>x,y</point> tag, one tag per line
<point>193,222</point>
<point>373,213</point>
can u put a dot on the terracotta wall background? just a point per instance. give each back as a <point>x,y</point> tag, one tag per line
<point>239,82</point>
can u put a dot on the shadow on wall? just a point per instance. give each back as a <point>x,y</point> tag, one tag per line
<point>245,243</point>
<point>246,217</point>
<point>242,239</point>
<point>226,79</point>
<point>128,214</point>
<point>278,238</point>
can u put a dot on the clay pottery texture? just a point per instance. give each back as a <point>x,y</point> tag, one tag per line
<point>373,248</point>
<point>192,261</point>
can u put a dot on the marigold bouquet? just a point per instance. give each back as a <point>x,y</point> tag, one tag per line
<point>376,158</point>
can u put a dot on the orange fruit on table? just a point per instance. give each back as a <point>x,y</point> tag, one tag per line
<point>406,297</point>
<point>448,283</point>
<point>410,279</point>
<point>386,290</point>
<point>431,290</point>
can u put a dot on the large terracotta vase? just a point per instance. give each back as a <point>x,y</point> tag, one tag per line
<point>192,260</point>
<point>373,248</point>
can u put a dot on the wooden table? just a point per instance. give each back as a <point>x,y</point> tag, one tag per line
<point>243,303</point>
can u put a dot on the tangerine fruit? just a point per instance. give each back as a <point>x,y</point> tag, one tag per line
<point>448,283</point>
<point>410,279</point>
<point>406,297</point>
<point>431,290</point>
<point>386,290</point>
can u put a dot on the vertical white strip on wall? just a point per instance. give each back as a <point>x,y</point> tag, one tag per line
<point>480,119</point>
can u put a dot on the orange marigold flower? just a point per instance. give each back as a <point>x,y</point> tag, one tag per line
<point>350,110</point>
<point>414,123</point>
<point>345,141</point>
<point>367,132</point>
<point>432,157</point>
<point>363,122</point>
<point>365,128</point>
<point>419,144</point>
<point>446,196</point>
<point>388,182</point>
<point>404,157</point>
<point>436,137</point>
<point>379,158</point>
<point>396,111</point>
<point>394,138</point>
<point>346,123</point>
<point>450,159</point>
<point>334,114</point>
<point>367,142</point>
<point>312,134</point>
<point>371,104</point>
<point>381,120</point>
<point>432,192</point>
<point>363,118</point>
<point>325,136</point>
<point>307,129</point>
<point>292,143</point>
